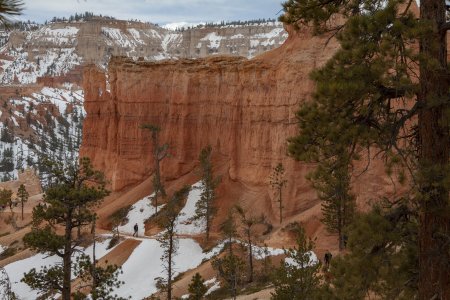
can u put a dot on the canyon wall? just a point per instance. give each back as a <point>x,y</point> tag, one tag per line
<point>245,109</point>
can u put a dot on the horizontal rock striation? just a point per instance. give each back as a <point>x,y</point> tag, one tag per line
<point>245,109</point>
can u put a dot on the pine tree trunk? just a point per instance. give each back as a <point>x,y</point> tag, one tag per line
<point>434,230</point>
<point>67,260</point>
<point>281,205</point>
<point>156,180</point>
<point>208,214</point>
<point>169,269</point>
<point>22,210</point>
<point>340,222</point>
<point>94,263</point>
<point>250,256</point>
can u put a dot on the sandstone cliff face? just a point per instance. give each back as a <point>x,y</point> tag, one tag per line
<point>245,109</point>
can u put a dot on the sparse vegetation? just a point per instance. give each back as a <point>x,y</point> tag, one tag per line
<point>119,218</point>
<point>159,153</point>
<point>169,242</point>
<point>205,208</point>
<point>278,182</point>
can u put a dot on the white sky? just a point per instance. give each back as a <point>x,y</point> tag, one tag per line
<point>155,11</point>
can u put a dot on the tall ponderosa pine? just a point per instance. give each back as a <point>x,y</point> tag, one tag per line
<point>278,182</point>
<point>69,199</point>
<point>332,181</point>
<point>159,153</point>
<point>22,195</point>
<point>386,90</point>
<point>205,209</point>
<point>167,220</point>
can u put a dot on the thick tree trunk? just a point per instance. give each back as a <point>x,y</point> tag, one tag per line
<point>434,231</point>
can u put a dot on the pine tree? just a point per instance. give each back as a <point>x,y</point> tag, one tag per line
<point>159,153</point>
<point>229,230</point>
<point>383,247</point>
<point>167,219</point>
<point>97,282</point>
<point>6,198</point>
<point>22,195</point>
<point>278,182</point>
<point>20,158</point>
<point>338,205</point>
<point>299,278</point>
<point>69,199</point>
<point>381,92</point>
<point>197,288</point>
<point>230,268</point>
<point>248,222</point>
<point>205,209</point>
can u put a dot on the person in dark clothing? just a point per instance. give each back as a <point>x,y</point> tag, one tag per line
<point>327,259</point>
<point>136,228</point>
<point>345,239</point>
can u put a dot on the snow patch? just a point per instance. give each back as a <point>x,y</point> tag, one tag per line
<point>139,278</point>
<point>138,214</point>
<point>214,39</point>
<point>182,25</point>
<point>16,269</point>
<point>313,260</point>
<point>214,285</point>
<point>185,225</point>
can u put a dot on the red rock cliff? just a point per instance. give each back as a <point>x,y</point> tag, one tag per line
<point>245,109</point>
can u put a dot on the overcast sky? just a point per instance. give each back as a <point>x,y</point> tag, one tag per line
<point>155,11</point>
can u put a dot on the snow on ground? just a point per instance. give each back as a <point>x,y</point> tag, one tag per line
<point>182,25</point>
<point>312,260</point>
<point>214,39</point>
<point>144,265</point>
<point>184,223</point>
<point>16,269</point>
<point>169,39</point>
<point>213,284</point>
<point>138,214</point>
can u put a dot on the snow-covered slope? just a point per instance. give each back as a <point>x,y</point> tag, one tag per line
<point>56,49</point>
<point>45,123</point>
<point>16,269</point>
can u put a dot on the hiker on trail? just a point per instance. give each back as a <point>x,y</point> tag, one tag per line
<point>136,227</point>
<point>327,259</point>
<point>345,239</point>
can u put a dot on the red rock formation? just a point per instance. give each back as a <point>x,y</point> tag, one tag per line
<point>245,109</point>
